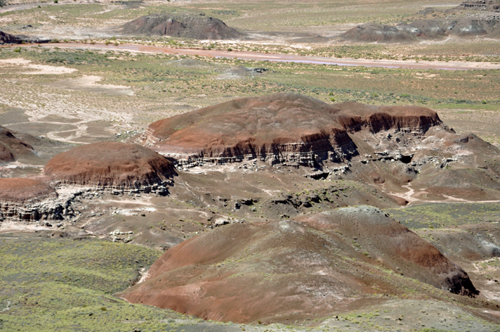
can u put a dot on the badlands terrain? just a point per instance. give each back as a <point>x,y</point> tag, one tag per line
<point>249,166</point>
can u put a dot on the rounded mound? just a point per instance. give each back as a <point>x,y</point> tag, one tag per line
<point>372,32</point>
<point>20,190</point>
<point>110,164</point>
<point>187,25</point>
<point>295,269</point>
<point>423,29</point>
<point>279,127</point>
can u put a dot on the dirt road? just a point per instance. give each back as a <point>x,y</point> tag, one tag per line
<point>408,64</point>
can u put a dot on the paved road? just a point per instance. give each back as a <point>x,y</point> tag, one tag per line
<point>409,64</point>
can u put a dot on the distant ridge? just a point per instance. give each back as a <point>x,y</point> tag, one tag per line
<point>186,25</point>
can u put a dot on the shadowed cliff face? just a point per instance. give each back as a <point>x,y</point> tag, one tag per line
<point>278,128</point>
<point>7,38</point>
<point>110,164</point>
<point>307,267</point>
<point>181,25</point>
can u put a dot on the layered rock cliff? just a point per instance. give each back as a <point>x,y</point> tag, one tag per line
<point>30,200</point>
<point>278,128</point>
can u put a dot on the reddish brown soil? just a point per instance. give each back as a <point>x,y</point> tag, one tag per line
<point>399,248</point>
<point>20,189</point>
<point>185,25</point>
<point>284,270</point>
<point>109,164</point>
<point>278,124</point>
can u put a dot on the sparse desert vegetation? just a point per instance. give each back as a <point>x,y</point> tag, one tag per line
<point>313,175</point>
<point>156,79</point>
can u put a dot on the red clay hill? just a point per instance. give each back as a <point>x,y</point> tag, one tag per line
<point>20,190</point>
<point>278,128</point>
<point>389,147</point>
<point>186,25</point>
<point>290,270</point>
<point>110,164</point>
<point>24,199</point>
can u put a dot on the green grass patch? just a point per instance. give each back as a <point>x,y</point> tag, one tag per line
<point>446,214</point>
<point>67,285</point>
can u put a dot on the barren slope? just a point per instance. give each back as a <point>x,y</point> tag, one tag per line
<point>425,29</point>
<point>109,164</point>
<point>308,268</point>
<point>11,147</point>
<point>19,190</point>
<point>186,25</point>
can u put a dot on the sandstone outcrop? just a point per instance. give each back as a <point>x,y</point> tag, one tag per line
<point>186,25</point>
<point>112,165</point>
<point>309,267</point>
<point>278,128</point>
